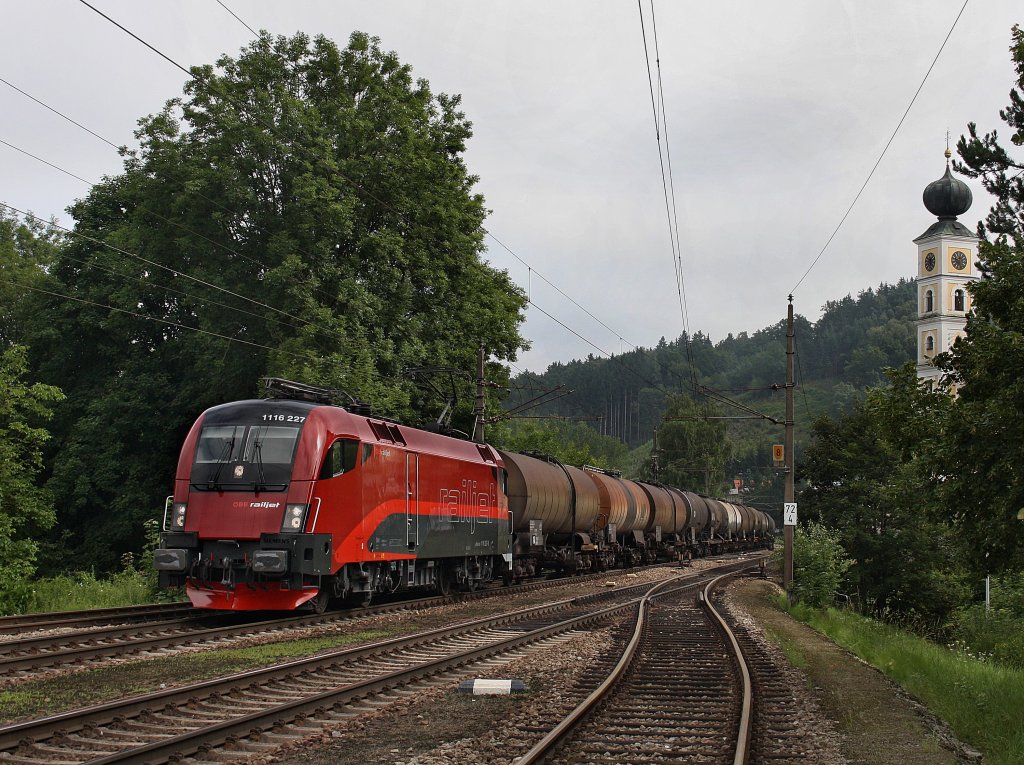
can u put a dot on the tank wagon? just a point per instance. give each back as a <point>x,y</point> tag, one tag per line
<point>291,501</point>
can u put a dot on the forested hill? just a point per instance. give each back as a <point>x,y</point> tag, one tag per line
<point>838,356</point>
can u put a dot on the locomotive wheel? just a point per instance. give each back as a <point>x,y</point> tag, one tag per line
<point>322,599</point>
<point>443,581</point>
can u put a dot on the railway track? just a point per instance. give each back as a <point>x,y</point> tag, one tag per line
<point>151,629</point>
<point>683,690</point>
<point>261,709</point>
<point>22,623</point>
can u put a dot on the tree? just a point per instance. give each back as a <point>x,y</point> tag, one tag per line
<point>25,508</point>
<point>26,251</point>
<point>869,475</point>
<point>983,465</point>
<point>323,190</point>
<point>573,443</point>
<point>693,449</point>
<point>819,563</point>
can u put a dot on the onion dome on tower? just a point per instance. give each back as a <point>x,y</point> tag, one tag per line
<point>946,268</point>
<point>947,198</point>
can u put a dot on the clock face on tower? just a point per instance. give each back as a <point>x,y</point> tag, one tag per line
<point>929,261</point>
<point>959,261</point>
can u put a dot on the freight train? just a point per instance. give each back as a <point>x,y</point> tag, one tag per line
<point>290,500</point>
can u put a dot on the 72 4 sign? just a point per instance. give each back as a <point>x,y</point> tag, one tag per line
<point>789,514</point>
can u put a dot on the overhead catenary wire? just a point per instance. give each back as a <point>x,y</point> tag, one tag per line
<point>672,218</point>
<point>156,319</point>
<point>238,18</point>
<point>60,114</point>
<point>158,285</point>
<point>153,263</point>
<point>534,271</point>
<point>884,150</point>
<point>164,218</point>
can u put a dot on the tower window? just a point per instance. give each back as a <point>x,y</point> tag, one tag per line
<point>929,344</point>
<point>929,302</point>
<point>958,300</point>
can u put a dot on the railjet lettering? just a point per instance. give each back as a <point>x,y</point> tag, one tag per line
<point>460,503</point>
<point>257,505</point>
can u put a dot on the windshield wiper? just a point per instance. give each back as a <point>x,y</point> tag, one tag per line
<point>257,448</point>
<point>214,482</point>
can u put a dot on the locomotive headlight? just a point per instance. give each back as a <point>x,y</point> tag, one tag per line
<point>294,517</point>
<point>178,516</point>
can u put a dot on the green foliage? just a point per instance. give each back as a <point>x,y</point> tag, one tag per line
<point>997,636</point>
<point>327,184</point>
<point>999,633</point>
<point>692,450</point>
<point>980,700</point>
<point>26,251</point>
<point>25,508</point>
<point>570,442</point>
<point>84,590</point>
<point>868,476</point>
<point>819,564</point>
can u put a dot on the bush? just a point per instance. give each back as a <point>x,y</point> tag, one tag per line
<point>999,635</point>
<point>82,591</point>
<point>819,563</point>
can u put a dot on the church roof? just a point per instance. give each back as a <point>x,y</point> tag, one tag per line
<point>946,227</point>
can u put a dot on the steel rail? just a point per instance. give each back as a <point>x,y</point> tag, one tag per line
<point>12,625</point>
<point>746,713</point>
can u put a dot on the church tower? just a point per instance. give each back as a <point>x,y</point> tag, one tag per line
<point>945,266</point>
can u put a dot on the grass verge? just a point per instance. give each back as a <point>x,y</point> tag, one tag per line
<point>84,591</point>
<point>980,701</point>
<point>43,697</point>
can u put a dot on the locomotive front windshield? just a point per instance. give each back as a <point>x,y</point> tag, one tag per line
<point>254,452</point>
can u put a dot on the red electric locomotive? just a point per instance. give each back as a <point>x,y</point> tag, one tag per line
<point>280,502</point>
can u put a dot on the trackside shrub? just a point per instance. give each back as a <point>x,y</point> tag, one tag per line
<point>999,634</point>
<point>819,564</point>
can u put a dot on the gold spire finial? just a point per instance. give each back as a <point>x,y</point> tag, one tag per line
<point>948,153</point>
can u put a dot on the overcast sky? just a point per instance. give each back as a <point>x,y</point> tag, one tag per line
<point>776,114</point>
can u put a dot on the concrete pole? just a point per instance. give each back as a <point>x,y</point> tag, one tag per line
<point>790,494</point>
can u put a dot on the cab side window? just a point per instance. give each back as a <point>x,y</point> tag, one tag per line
<point>341,458</point>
